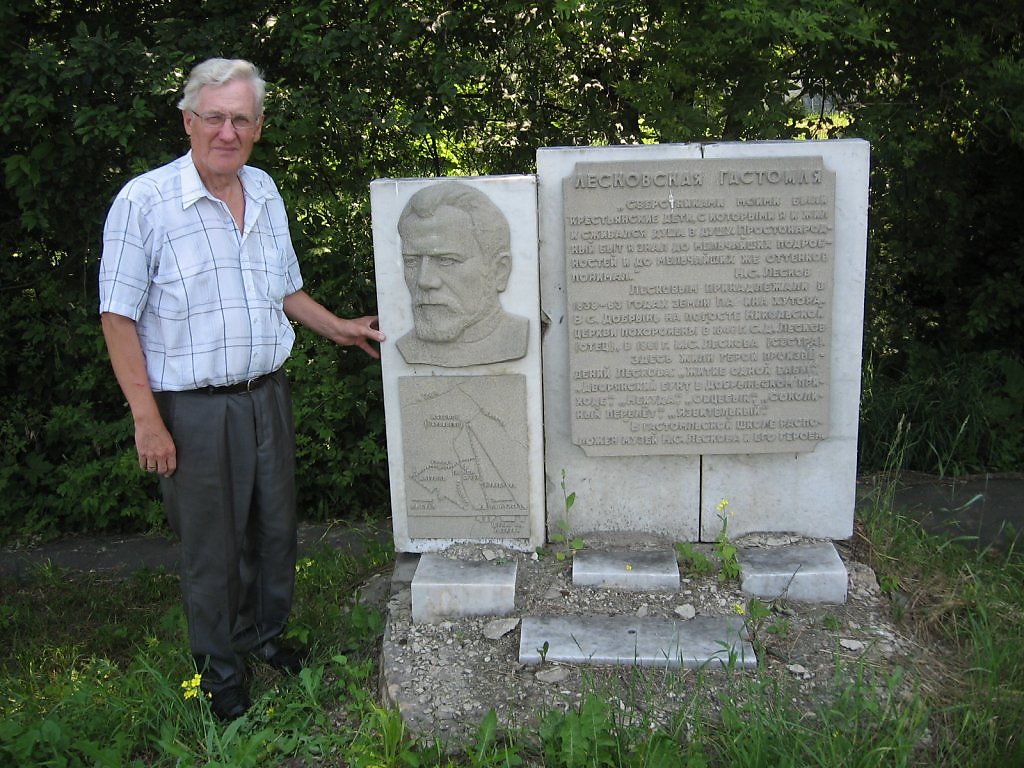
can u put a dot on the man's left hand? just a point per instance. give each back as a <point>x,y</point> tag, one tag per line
<point>302,308</point>
<point>360,332</point>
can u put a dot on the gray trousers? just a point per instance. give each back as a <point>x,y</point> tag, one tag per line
<point>232,503</point>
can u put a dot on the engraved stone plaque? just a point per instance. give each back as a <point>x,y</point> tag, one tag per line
<point>466,456</point>
<point>699,305</point>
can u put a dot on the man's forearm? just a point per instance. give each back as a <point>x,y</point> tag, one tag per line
<point>303,309</point>
<point>153,442</point>
<point>129,363</point>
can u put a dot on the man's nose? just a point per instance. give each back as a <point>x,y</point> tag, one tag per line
<point>227,131</point>
<point>429,273</point>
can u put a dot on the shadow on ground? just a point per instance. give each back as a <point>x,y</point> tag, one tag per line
<point>980,510</point>
<point>985,510</point>
<point>127,554</point>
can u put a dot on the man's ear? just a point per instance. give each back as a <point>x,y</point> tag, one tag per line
<point>502,269</point>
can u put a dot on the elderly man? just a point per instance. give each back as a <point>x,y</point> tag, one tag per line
<point>198,281</point>
<point>456,250</point>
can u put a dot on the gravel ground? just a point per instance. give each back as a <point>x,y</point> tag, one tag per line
<point>445,677</point>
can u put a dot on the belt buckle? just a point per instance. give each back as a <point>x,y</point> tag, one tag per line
<point>250,383</point>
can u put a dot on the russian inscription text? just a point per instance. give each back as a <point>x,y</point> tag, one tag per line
<point>699,301</point>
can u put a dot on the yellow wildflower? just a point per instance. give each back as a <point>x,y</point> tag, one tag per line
<point>191,687</point>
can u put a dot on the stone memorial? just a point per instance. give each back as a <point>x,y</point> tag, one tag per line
<point>700,321</point>
<point>706,309</point>
<point>456,270</point>
<point>696,311</point>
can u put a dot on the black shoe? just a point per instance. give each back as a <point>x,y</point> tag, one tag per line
<point>288,660</point>
<point>230,703</point>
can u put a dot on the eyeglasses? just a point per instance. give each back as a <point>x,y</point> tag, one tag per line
<point>240,123</point>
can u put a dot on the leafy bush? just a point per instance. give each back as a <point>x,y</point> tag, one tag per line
<point>950,414</point>
<point>361,90</point>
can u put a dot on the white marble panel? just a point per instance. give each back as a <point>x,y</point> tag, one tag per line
<point>516,199</point>
<point>633,570</point>
<point>630,641</point>
<point>811,493</point>
<point>813,573</point>
<point>443,588</point>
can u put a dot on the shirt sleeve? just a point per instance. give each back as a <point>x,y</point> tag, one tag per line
<point>290,261</point>
<point>294,274</point>
<point>126,267</point>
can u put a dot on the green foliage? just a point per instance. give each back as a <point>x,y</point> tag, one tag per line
<point>867,723</point>
<point>383,741</point>
<point>756,615</point>
<point>369,89</point>
<point>951,414</point>
<point>74,695</point>
<point>692,559</point>
<point>725,549</point>
<point>778,53</point>
<point>971,599</point>
<point>490,749</point>
<point>323,575</point>
<point>563,537</point>
<point>68,461</point>
<point>596,735</point>
<point>583,738</point>
<point>945,118</point>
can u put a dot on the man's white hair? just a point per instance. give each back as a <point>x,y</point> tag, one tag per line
<point>221,72</point>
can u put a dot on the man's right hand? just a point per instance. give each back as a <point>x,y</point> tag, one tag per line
<point>155,446</point>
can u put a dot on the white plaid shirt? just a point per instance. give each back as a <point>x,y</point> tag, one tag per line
<point>207,300</point>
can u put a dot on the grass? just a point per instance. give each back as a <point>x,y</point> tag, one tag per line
<point>94,672</point>
<point>971,601</point>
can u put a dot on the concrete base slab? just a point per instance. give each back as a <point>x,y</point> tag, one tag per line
<point>445,588</point>
<point>811,572</point>
<point>633,641</point>
<point>638,571</point>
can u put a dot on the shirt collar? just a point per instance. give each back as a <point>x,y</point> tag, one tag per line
<point>193,189</point>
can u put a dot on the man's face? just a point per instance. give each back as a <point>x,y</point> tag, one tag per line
<point>218,153</point>
<point>453,284</point>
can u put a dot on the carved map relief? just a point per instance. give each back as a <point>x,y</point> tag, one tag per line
<point>466,456</point>
<point>700,305</point>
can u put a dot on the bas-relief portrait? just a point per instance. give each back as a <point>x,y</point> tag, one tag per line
<point>456,255</point>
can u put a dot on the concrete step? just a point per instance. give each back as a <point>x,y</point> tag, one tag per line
<point>636,570</point>
<point>635,641</point>
<point>810,572</point>
<point>443,588</point>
